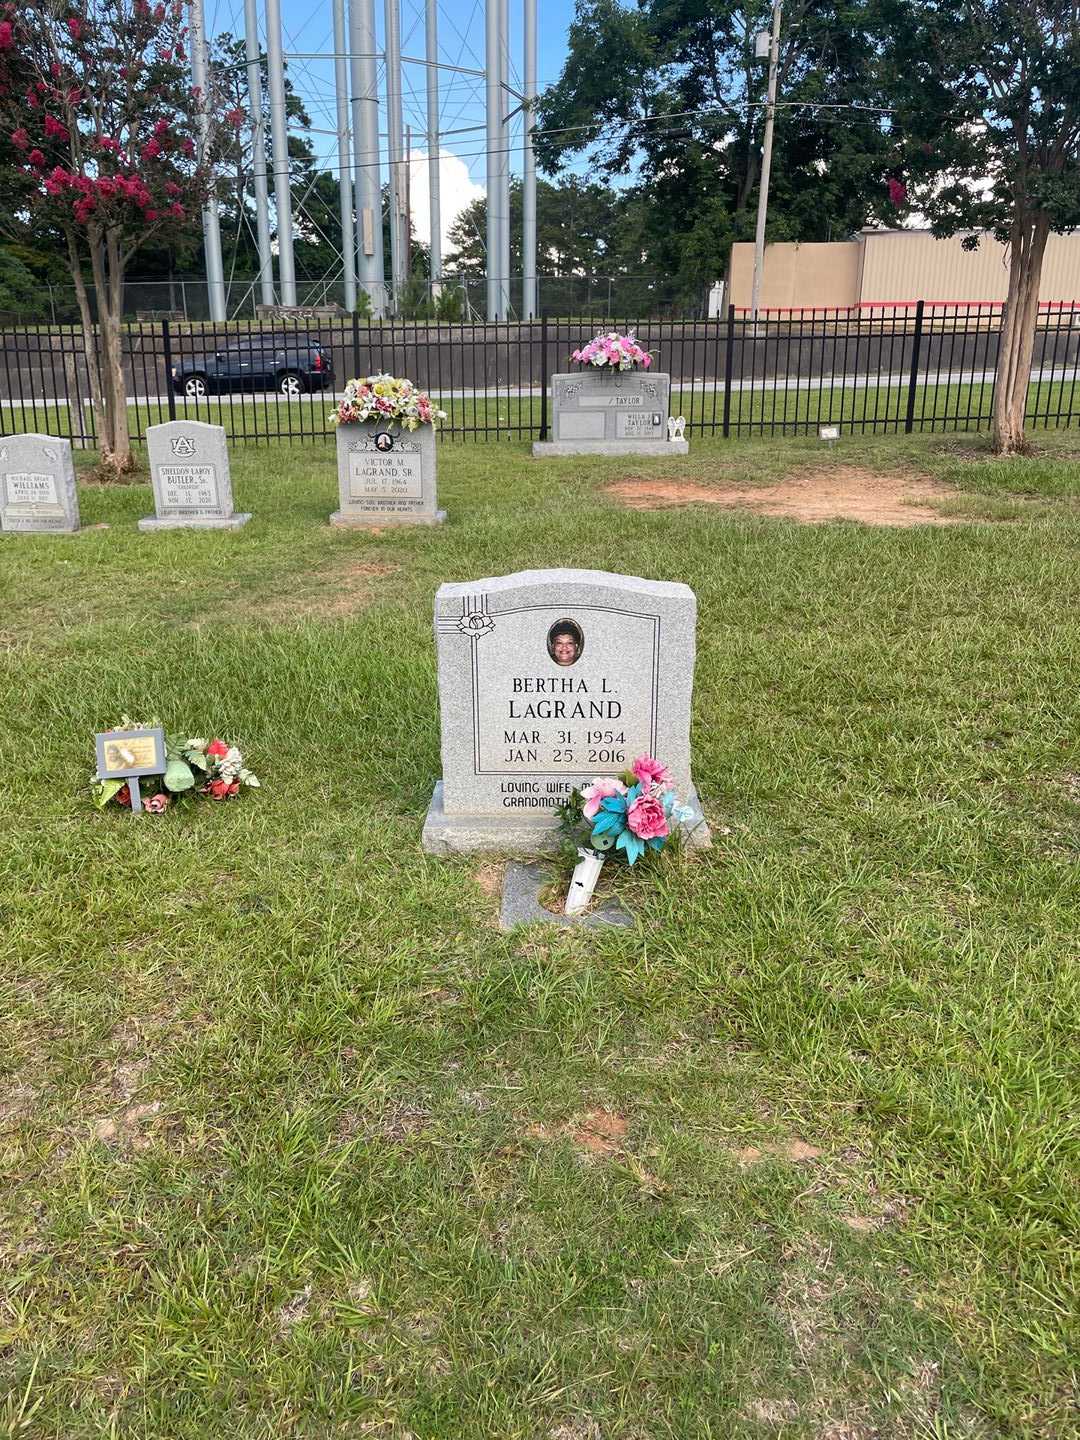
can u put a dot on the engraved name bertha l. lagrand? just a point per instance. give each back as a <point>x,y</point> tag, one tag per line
<point>549,678</point>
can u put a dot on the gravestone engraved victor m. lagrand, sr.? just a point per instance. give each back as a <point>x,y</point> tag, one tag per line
<point>37,485</point>
<point>189,469</point>
<point>548,678</point>
<point>386,475</point>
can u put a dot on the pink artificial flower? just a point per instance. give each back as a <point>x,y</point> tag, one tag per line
<point>7,38</point>
<point>646,817</point>
<point>123,795</point>
<point>217,749</point>
<point>601,789</point>
<point>157,804</point>
<point>651,772</point>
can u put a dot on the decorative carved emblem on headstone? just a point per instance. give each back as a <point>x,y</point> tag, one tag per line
<point>50,453</point>
<point>676,427</point>
<point>183,445</point>
<point>384,440</point>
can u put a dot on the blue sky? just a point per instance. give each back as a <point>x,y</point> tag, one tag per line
<point>308,26</point>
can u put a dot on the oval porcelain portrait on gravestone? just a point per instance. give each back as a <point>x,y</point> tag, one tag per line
<point>384,441</point>
<point>565,642</point>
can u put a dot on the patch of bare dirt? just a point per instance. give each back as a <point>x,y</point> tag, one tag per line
<point>332,594</point>
<point>773,1412</point>
<point>489,878</point>
<point>597,1132</point>
<point>576,1429</point>
<point>844,492</point>
<point>793,1149</point>
<point>294,1310</point>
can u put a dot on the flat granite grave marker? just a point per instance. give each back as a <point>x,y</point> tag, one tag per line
<point>386,475</point>
<point>611,412</point>
<point>189,469</point>
<point>37,485</point>
<point>547,679</point>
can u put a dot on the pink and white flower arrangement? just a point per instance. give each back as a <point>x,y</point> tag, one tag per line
<point>386,398</point>
<point>614,352</point>
<point>634,812</point>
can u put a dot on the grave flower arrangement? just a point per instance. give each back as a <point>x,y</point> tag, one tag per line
<point>614,352</point>
<point>384,397</point>
<point>630,813</point>
<point>193,766</point>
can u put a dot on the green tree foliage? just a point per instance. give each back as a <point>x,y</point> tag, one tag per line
<point>988,113</point>
<point>579,230</point>
<point>670,93</point>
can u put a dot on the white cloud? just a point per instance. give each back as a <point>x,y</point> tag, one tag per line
<point>457,190</point>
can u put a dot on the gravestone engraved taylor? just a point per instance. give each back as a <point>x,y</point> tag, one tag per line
<point>548,678</point>
<point>37,485</point>
<point>189,468</point>
<point>605,412</point>
<point>386,475</point>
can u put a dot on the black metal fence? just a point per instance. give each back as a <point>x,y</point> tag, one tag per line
<point>872,370</point>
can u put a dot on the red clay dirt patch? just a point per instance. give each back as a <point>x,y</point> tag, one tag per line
<point>843,492</point>
<point>599,1132</point>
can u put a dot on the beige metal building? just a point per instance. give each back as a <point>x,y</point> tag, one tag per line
<point>886,267</point>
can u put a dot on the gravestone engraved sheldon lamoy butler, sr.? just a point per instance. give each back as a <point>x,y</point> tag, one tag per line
<point>189,470</point>
<point>547,679</point>
<point>386,475</point>
<point>37,485</point>
<point>611,412</point>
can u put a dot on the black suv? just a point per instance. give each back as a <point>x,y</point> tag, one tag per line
<point>289,364</point>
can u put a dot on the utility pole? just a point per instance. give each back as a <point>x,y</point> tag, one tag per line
<point>341,96</point>
<point>367,183</point>
<point>253,52</point>
<point>493,108</point>
<point>407,241</point>
<point>215,269</point>
<point>431,39</point>
<point>275,64</point>
<point>528,184</point>
<point>394,126</point>
<point>766,162</point>
<point>504,159</point>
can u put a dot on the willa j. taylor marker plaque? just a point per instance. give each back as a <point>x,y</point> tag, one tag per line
<point>599,412</point>
<point>548,678</point>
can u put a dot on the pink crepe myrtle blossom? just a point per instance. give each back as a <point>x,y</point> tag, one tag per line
<point>151,150</point>
<point>235,117</point>
<point>54,129</point>
<point>7,35</point>
<point>75,27</point>
<point>600,790</point>
<point>20,139</point>
<point>37,159</point>
<point>897,191</point>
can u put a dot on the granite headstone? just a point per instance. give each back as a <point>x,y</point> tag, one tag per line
<point>386,475</point>
<point>189,469</point>
<point>37,485</point>
<point>610,412</point>
<point>548,678</point>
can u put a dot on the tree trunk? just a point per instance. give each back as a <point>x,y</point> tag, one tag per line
<point>1027,248</point>
<point>115,445</point>
<point>93,365</point>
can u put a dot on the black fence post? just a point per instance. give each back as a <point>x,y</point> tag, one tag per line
<point>170,389</point>
<point>355,345</point>
<point>729,362</point>
<point>913,379</point>
<point>543,377</point>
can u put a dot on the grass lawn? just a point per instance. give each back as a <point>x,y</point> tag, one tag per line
<point>295,1142</point>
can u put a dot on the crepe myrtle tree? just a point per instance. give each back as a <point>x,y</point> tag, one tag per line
<point>115,149</point>
<point>988,111</point>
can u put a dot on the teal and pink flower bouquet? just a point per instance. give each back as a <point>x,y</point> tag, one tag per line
<point>613,352</point>
<point>629,813</point>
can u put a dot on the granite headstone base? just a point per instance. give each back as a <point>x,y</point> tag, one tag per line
<point>376,521</point>
<point>519,832</point>
<point>202,522</point>
<point>658,449</point>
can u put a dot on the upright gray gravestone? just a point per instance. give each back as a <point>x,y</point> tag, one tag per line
<point>189,469</point>
<point>610,412</point>
<point>547,679</point>
<point>37,485</point>
<point>386,475</point>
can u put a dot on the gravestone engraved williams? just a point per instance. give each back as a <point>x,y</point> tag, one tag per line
<point>608,412</point>
<point>189,469</point>
<point>548,678</point>
<point>37,485</point>
<point>386,475</point>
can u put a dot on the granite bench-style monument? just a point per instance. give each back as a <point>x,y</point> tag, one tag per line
<point>606,412</point>
<point>37,485</point>
<point>548,678</point>
<point>189,469</point>
<point>386,475</point>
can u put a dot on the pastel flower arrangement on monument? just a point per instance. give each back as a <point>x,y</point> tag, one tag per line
<point>386,398</point>
<point>631,813</point>
<point>208,768</point>
<point>614,352</point>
